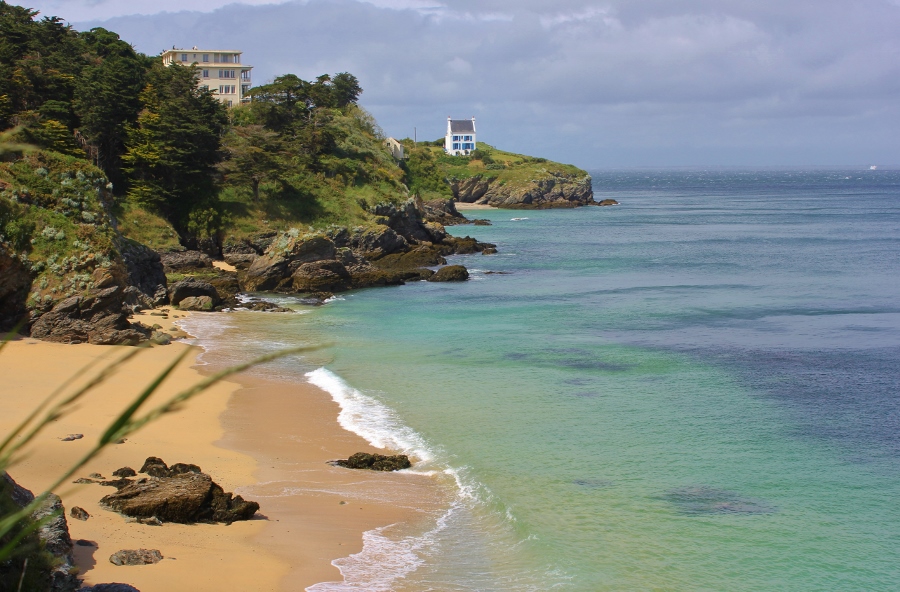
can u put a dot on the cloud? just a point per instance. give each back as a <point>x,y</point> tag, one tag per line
<point>646,81</point>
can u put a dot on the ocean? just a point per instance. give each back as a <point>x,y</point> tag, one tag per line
<point>698,389</point>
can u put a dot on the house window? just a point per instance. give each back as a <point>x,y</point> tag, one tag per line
<point>206,73</point>
<point>229,103</point>
<point>456,146</point>
<point>184,57</point>
<point>226,73</point>
<point>216,58</point>
<point>206,57</point>
<point>456,138</point>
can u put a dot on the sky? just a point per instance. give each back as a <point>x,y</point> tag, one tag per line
<point>621,83</point>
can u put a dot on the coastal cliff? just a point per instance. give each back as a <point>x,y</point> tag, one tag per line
<point>556,190</point>
<point>496,178</point>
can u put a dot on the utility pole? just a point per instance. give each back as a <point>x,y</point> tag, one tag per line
<point>415,138</point>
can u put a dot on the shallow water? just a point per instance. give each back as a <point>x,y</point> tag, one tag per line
<point>697,389</point>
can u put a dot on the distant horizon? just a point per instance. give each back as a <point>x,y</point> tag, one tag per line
<point>611,85</point>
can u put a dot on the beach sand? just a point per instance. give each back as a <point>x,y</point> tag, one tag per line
<point>264,440</point>
<point>472,206</point>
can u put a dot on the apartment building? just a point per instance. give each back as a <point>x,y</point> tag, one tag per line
<point>220,70</point>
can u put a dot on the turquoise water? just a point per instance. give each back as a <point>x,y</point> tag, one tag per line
<point>695,390</point>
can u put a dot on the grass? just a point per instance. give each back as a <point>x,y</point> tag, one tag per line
<point>141,225</point>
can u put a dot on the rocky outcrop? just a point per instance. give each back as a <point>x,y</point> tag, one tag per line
<point>181,493</point>
<point>191,287</point>
<point>15,282</point>
<point>96,318</point>
<point>444,212</point>
<point>554,190</point>
<point>180,261</point>
<point>114,587</point>
<point>375,462</point>
<point>607,202</point>
<point>144,267</point>
<point>450,273</point>
<point>321,276</point>
<point>52,561</point>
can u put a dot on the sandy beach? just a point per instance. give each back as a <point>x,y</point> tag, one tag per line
<point>267,441</point>
<point>472,206</point>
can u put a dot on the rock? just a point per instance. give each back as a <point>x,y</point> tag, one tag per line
<point>554,190</point>
<point>422,256</point>
<point>180,493</point>
<point>144,267</point>
<point>240,260</point>
<point>489,251</point>
<point>117,483</point>
<point>72,437</point>
<point>450,273</point>
<point>407,221</point>
<point>444,212</point>
<point>319,276</point>
<point>136,557</point>
<point>83,481</point>
<point>466,245</point>
<point>373,243</point>
<point>284,256</point>
<point>196,303</point>
<point>54,534</point>
<point>15,283</point>
<point>95,476</point>
<point>79,513</point>
<point>191,287</point>
<point>124,472</point>
<point>95,318</point>
<point>160,338</point>
<point>135,300</point>
<point>375,462</point>
<point>113,587</point>
<point>607,202</point>
<point>179,261</point>
<point>263,306</point>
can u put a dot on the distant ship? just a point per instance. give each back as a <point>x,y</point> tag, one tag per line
<point>873,167</point>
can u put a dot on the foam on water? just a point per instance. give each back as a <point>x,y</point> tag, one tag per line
<point>369,418</point>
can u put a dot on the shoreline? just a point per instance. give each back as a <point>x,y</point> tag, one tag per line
<point>264,439</point>
<point>473,206</point>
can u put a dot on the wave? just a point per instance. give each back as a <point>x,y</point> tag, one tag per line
<point>372,420</point>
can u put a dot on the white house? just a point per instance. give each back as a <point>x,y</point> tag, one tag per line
<point>460,138</point>
<point>219,70</point>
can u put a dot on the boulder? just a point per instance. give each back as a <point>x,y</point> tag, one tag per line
<point>79,513</point>
<point>373,243</point>
<point>450,273</point>
<point>180,493</point>
<point>189,287</point>
<point>319,276</point>
<point>144,267</point>
<point>136,557</point>
<point>179,261</point>
<point>466,245</point>
<point>95,318</point>
<point>444,212</point>
<point>197,303</point>
<point>607,202</point>
<point>375,462</point>
<point>124,472</point>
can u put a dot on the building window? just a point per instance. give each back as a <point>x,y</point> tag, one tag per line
<point>206,73</point>
<point>456,146</point>
<point>245,74</point>
<point>245,88</point>
<point>206,57</point>
<point>184,57</point>
<point>229,103</point>
<point>226,73</point>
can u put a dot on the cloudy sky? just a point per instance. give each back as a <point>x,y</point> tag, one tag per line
<point>619,83</point>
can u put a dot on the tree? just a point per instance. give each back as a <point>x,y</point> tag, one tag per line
<point>254,155</point>
<point>346,89</point>
<point>175,144</point>
<point>107,97</point>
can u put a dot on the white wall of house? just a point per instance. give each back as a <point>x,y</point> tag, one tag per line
<point>220,70</point>
<point>460,138</point>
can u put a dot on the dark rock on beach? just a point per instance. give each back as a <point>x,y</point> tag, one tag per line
<point>124,472</point>
<point>180,493</point>
<point>375,462</point>
<point>113,587</point>
<point>180,261</point>
<point>136,557</point>
<point>96,318</point>
<point>79,513</point>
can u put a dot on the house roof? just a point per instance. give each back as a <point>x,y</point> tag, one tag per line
<point>462,126</point>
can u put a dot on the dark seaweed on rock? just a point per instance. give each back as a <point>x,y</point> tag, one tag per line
<point>375,462</point>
